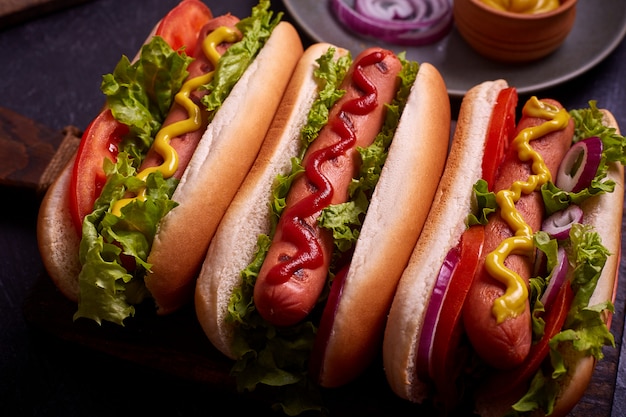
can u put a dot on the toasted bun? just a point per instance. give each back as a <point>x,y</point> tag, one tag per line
<point>217,169</point>
<point>56,235</point>
<point>394,220</point>
<point>443,229</point>
<point>235,242</point>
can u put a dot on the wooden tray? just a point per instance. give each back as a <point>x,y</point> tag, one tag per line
<point>32,154</point>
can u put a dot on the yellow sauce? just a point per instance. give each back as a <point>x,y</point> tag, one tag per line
<point>524,6</point>
<point>193,122</point>
<point>512,302</point>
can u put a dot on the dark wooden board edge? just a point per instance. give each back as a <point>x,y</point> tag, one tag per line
<point>31,154</point>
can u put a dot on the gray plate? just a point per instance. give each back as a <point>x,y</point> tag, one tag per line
<point>599,28</point>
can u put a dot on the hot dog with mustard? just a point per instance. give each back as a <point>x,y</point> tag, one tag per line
<point>510,310</point>
<point>131,217</point>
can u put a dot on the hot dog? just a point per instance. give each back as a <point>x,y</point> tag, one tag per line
<point>507,298</point>
<point>293,275</point>
<point>308,344</point>
<point>158,167</point>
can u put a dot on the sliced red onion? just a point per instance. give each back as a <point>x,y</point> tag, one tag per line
<point>559,224</point>
<point>433,310</point>
<point>386,10</point>
<point>402,22</point>
<point>326,323</point>
<point>580,165</point>
<point>557,279</point>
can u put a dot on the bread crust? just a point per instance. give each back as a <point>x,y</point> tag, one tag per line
<point>57,239</point>
<point>234,244</point>
<point>395,217</point>
<point>443,230</point>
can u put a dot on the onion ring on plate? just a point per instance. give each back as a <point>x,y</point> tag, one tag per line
<point>401,22</point>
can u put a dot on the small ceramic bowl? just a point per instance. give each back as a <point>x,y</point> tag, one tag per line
<point>513,37</point>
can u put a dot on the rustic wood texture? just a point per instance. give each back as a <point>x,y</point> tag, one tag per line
<point>13,12</point>
<point>31,154</point>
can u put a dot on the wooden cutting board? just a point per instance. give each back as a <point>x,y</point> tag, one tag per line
<point>31,154</point>
<point>13,12</point>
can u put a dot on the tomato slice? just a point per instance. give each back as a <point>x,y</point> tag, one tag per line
<point>445,353</point>
<point>100,140</point>
<point>180,27</point>
<point>555,317</point>
<point>500,133</point>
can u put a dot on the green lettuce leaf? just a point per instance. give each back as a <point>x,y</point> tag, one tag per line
<point>107,290</point>
<point>344,221</point>
<point>256,30</point>
<point>484,204</point>
<point>329,74</point>
<point>141,94</point>
<point>589,123</point>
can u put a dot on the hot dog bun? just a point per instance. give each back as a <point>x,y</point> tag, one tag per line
<point>229,147</point>
<point>222,159</point>
<point>56,237</point>
<point>235,240</point>
<point>400,204</point>
<point>395,217</point>
<point>442,232</point>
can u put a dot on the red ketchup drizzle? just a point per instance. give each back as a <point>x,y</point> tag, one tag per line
<point>309,251</point>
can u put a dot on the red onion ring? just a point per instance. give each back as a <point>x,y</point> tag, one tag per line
<point>401,22</point>
<point>557,279</point>
<point>433,310</point>
<point>580,165</point>
<point>560,223</point>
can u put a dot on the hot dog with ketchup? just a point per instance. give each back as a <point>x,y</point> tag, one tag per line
<point>509,311</point>
<point>296,265</point>
<point>158,167</point>
<point>296,257</point>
